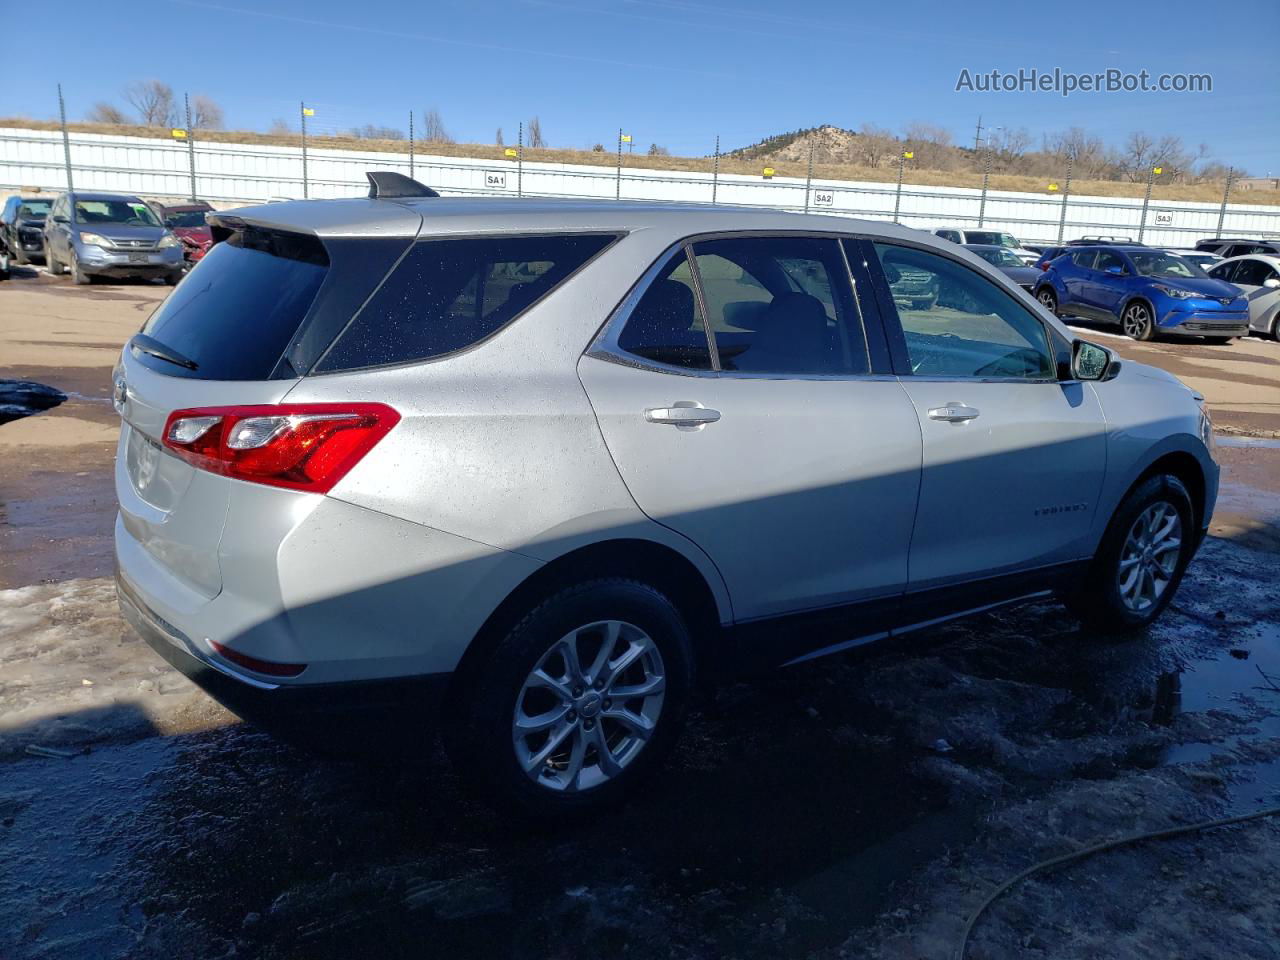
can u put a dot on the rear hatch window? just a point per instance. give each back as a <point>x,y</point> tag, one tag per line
<point>449,294</point>
<point>237,312</point>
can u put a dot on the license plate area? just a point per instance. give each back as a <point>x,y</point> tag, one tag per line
<point>138,258</point>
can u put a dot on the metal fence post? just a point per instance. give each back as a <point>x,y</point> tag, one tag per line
<point>302,111</point>
<point>520,161</point>
<point>1146,202</point>
<point>1066,194</point>
<point>808,180</point>
<point>617,191</point>
<point>986,178</point>
<point>410,144</point>
<point>66,139</point>
<point>715,171</point>
<point>897,196</point>
<point>191,144</point>
<point>1222,211</point>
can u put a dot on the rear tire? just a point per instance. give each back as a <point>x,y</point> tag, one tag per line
<point>1048,299</point>
<point>1137,321</point>
<point>1141,559</point>
<point>528,694</point>
<point>171,279</point>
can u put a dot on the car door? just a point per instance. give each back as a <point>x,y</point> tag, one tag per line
<point>738,395</point>
<point>58,230</point>
<point>1013,457</point>
<point>1251,275</point>
<point>1108,283</point>
<point>1075,272</point>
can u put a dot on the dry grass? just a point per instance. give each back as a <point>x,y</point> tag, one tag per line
<point>1202,192</point>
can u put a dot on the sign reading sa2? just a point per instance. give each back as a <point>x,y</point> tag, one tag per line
<point>824,198</point>
<point>1164,218</point>
<point>495,180</point>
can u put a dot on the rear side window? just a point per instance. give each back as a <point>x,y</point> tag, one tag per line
<point>237,311</point>
<point>449,294</point>
<point>666,325</point>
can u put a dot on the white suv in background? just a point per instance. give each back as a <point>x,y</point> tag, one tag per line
<point>531,466</point>
<point>994,238</point>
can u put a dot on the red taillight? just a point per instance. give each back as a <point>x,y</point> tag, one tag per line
<point>268,667</point>
<point>300,446</point>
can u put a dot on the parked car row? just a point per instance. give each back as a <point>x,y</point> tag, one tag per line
<point>91,234</point>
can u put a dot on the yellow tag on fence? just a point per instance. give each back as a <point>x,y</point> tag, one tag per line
<point>178,134</point>
<point>511,152</point>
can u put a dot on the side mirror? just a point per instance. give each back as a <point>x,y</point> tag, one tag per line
<point>61,219</point>
<point>1272,283</point>
<point>1092,362</point>
<point>1115,271</point>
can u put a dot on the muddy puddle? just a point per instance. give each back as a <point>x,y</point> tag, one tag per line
<point>22,398</point>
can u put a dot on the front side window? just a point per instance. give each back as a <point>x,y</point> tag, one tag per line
<point>1252,273</point>
<point>449,294</point>
<point>970,327</point>
<point>999,257</point>
<point>781,305</point>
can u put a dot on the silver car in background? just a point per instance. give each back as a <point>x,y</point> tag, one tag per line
<point>92,235</point>
<point>532,466</point>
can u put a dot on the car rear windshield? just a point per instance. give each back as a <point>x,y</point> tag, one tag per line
<point>449,294</point>
<point>185,218</point>
<point>992,237</point>
<point>235,315</point>
<point>34,209</point>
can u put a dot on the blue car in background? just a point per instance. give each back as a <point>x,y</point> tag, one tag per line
<point>1148,292</point>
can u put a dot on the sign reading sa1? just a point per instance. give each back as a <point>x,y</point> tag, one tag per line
<point>495,180</point>
<point>824,198</point>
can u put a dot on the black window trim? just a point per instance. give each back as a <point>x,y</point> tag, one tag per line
<point>615,234</point>
<point>604,346</point>
<point>1059,347</point>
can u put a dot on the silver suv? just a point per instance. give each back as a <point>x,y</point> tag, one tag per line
<point>537,464</point>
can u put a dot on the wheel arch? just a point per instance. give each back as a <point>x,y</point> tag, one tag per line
<point>657,564</point>
<point>1184,465</point>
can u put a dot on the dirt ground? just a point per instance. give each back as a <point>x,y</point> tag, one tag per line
<point>857,806</point>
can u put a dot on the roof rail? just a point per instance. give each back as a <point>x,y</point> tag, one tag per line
<point>388,185</point>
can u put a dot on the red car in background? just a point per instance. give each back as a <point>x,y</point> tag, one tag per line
<point>186,220</point>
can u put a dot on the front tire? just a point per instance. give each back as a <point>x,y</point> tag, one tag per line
<point>579,702</point>
<point>1141,560</point>
<point>53,264</point>
<point>1137,321</point>
<point>78,276</point>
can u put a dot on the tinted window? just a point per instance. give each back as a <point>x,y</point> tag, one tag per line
<point>235,314</point>
<point>666,325</point>
<point>185,218</point>
<point>1154,263</point>
<point>970,327</point>
<point>1225,271</point>
<point>450,294</point>
<point>1252,273</point>
<point>781,305</point>
<point>1084,258</point>
<point>992,237</point>
<point>130,212</point>
<point>1110,261</point>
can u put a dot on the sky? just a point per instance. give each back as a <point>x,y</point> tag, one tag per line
<point>672,72</point>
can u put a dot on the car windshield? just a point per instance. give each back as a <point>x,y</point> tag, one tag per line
<point>1000,257</point>
<point>132,212</point>
<point>34,209</point>
<point>1155,264</point>
<point>186,218</point>
<point>992,237</point>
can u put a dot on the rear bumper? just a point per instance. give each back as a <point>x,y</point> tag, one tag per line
<point>311,707</point>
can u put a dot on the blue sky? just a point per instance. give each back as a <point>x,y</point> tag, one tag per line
<point>672,71</point>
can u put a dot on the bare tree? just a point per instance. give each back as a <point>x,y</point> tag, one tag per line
<point>498,139</point>
<point>433,129</point>
<point>374,132</point>
<point>932,146</point>
<point>1136,155</point>
<point>103,112</point>
<point>153,102</point>
<point>535,133</point>
<point>206,113</point>
<point>657,150</point>
<point>279,127</point>
<point>874,145</point>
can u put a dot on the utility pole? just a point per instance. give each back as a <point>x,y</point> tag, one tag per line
<point>1146,200</point>
<point>903,157</point>
<point>410,144</point>
<point>66,139</point>
<point>977,134</point>
<point>617,192</point>
<point>191,144</point>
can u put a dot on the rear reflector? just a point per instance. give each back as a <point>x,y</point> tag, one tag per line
<point>267,667</point>
<point>299,446</point>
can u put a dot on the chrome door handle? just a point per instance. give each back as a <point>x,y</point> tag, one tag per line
<point>953,413</point>
<point>683,413</point>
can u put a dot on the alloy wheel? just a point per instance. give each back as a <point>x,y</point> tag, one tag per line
<point>1049,301</point>
<point>1135,321</point>
<point>589,706</point>
<point>1149,556</point>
